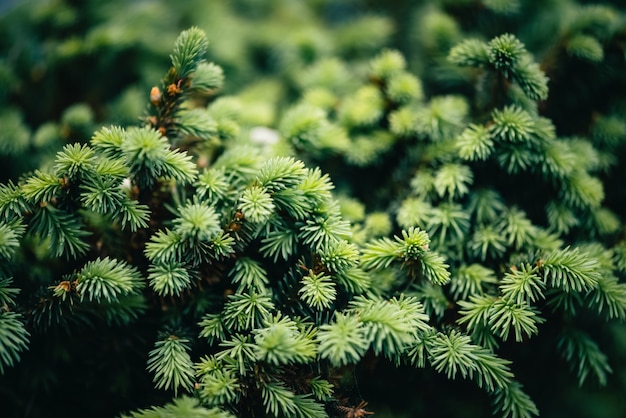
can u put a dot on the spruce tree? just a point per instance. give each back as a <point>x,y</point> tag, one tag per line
<point>387,232</point>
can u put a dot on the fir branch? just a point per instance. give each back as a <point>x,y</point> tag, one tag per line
<point>189,51</point>
<point>13,339</point>
<point>514,403</point>
<point>247,311</point>
<point>12,201</point>
<point>506,315</point>
<point>343,341</point>
<point>318,290</point>
<point>609,296</point>
<point>218,383</point>
<point>62,229</point>
<point>249,274</point>
<point>74,161</point>
<point>41,187</point>
<point>239,349</point>
<point>455,354</point>
<point>184,407</point>
<point>390,325</point>
<point>169,279</point>
<point>522,285</point>
<point>584,356</point>
<point>171,364</point>
<point>470,280</point>
<point>570,270</point>
<point>10,234</point>
<point>280,342</point>
<point>107,279</point>
<point>487,241</point>
<point>7,293</point>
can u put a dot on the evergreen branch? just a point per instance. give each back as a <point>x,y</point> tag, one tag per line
<point>13,201</point>
<point>322,231</point>
<point>514,403</point>
<point>256,204</point>
<point>354,280</point>
<point>390,325</point>
<point>280,173</point>
<point>476,312</point>
<point>452,180</point>
<point>189,51</point>
<point>522,286</point>
<point>279,243</point>
<point>169,279</point>
<point>164,247</point>
<point>196,123</point>
<point>470,53</point>
<point>246,311</point>
<point>455,354</point>
<point>212,328</point>
<point>506,315</point>
<point>249,274</point>
<point>448,218</point>
<point>239,349</point>
<point>278,400</point>
<point>7,294</point>
<point>339,256</point>
<point>570,270</point>
<point>207,77</point>
<point>41,187</point>
<point>322,389</point>
<point>171,364</point>
<point>512,124</point>
<point>343,341</point>
<point>517,228</point>
<point>487,241</point>
<point>74,160</point>
<point>13,339</point>
<point>109,140</point>
<point>475,143</point>
<point>434,268</point>
<point>213,186</point>
<point>413,212</point>
<point>318,290</point>
<point>470,279</point>
<point>584,356</point>
<point>280,342</point>
<point>183,407</point>
<point>218,384</point>
<point>582,190</point>
<point>107,279</point>
<point>133,213</point>
<point>505,52</point>
<point>432,297</point>
<point>10,234</point>
<point>531,78</point>
<point>609,296</point>
<point>62,229</point>
<point>197,222</point>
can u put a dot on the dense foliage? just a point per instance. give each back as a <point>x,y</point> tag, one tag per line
<point>321,212</point>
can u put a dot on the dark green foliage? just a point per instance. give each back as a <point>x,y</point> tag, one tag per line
<point>342,207</point>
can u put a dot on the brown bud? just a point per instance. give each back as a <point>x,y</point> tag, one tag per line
<point>155,95</point>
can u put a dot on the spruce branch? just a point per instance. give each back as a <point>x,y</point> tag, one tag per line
<point>183,407</point>
<point>107,279</point>
<point>171,364</point>
<point>14,338</point>
<point>584,356</point>
<point>189,51</point>
<point>514,403</point>
<point>343,341</point>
